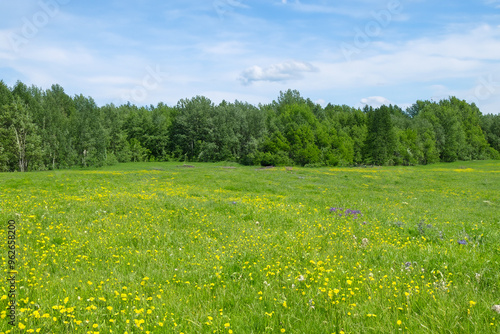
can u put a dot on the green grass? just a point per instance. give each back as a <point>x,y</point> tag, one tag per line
<point>169,249</point>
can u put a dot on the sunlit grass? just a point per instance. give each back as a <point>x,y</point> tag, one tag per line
<point>169,249</point>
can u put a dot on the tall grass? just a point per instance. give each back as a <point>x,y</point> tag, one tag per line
<point>162,248</point>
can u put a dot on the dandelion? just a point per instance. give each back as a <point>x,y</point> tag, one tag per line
<point>399,322</point>
<point>472,303</point>
<point>139,322</point>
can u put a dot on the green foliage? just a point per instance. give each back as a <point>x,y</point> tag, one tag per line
<point>408,151</point>
<point>90,137</point>
<point>490,124</point>
<point>21,135</point>
<point>381,141</point>
<point>192,126</point>
<point>7,156</point>
<point>138,153</point>
<point>53,121</point>
<point>63,131</point>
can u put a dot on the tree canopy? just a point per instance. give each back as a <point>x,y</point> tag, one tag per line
<point>49,129</point>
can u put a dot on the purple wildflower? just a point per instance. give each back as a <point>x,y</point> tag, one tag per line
<point>462,242</point>
<point>347,212</point>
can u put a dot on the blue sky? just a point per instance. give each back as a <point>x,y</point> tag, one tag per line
<point>352,52</point>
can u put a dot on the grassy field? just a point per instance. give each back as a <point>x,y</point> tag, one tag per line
<point>161,248</point>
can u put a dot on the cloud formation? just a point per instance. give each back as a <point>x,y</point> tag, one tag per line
<point>289,70</point>
<point>223,7</point>
<point>494,3</point>
<point>103,49</point>
<point>375,101</point>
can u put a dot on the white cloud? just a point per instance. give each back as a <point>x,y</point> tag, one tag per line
<point>278,72</point>
<point>375,101</point>
<point>322,9</point>
<point>428,61</point>
<point>104,55</point>
<point>223,7</point>
<point>494,3</point>
<point>321,102</point>
<point>362,9</point>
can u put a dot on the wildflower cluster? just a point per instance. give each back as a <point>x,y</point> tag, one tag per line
<point>347,212</point>
<point>169,251</point>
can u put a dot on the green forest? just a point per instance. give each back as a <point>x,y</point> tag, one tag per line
<point>48,129</point>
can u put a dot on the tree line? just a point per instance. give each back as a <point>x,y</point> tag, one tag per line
<point>48,129</point>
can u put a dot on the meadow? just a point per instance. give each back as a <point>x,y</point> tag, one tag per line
<point>221,248</point>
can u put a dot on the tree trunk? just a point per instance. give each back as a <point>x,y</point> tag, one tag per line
<point>21,146</point>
